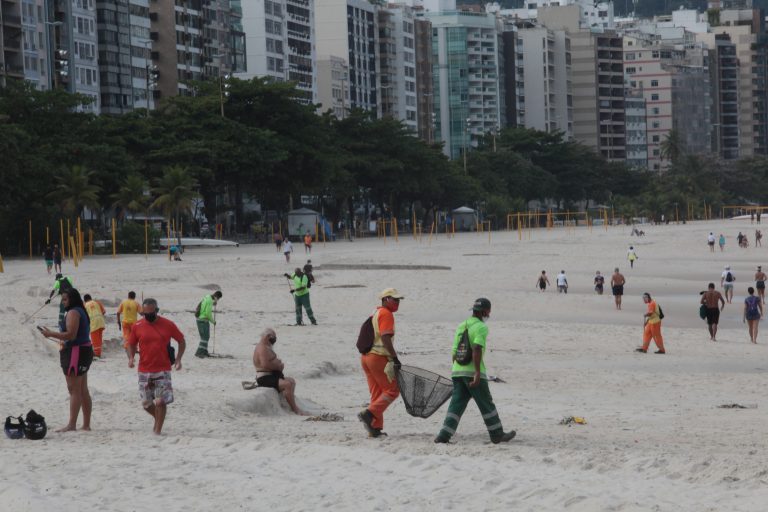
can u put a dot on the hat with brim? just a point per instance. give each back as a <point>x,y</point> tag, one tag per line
<point>391,292</point>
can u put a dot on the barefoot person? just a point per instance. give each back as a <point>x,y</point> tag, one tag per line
<point>543,281</point>
<point>753,311</point>
<point>711,241</point>
<point>726,282</point>
<point>287,250</point>
<point>152,336</point>
<point>129,309</point>
<point>562,282</point>
<point>721,242</point>
<point>715,304</point>
<point>617,286</point>
<point>760,279</point>
<point>269,370</point>
<point>380,362</point>
<point>75,356</point>
<point>95,310</point>
<point>48,256</point>
<point>599,282</point>
<point>470,381</point>
<point>652,326</point>
<point>631,256</point>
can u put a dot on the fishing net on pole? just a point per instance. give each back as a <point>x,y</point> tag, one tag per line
<point>423,392</point>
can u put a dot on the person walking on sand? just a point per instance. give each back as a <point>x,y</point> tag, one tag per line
<point>95,310</point>
<point>300,293</point>
<point>56,259</point>
<point>758,238</point>
<point>380,363</point>
<point>307,243</point>
<point>75,357</point>
<point>652,326</point>
<point>711,241</point>
<point>278,239</point>
<point>760,279</point>
<point>617,287</point>
<point>542,281</point>
<point>287,250</point>
<point>48,257</point>
<point>152,336</point>
<point>269,370</point>
<point>726,283</point>
<point>721,242</point>
<point>631,256</point>
<point>470,380</point>
<point>753,311</point>
<point>205,318</point>
<point>715,303</point>
<point>129,309</point>
<point>562,282</point>
<point>599,282</point>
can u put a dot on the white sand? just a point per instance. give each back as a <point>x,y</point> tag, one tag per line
<point>655,439</point>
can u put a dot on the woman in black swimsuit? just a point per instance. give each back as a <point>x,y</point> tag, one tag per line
<point>543,281</point>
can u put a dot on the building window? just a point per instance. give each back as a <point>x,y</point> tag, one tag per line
<point>655,138</point>
<point>654,97</point>
<point>629,70</point>
<point>656,152</point>
<point>654,83</point>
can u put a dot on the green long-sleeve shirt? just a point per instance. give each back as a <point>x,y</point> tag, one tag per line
<point>206,309</point>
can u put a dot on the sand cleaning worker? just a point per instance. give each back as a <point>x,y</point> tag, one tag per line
<point>204,316</point>
<point>379,364</point>
<point>95,310</point>
<point>300,293</point>
<point>470,381</point>
<point>61,285</point>
<point>652,326</point>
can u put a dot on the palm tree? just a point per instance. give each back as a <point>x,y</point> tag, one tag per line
<point>672,147</point>
<point>131,195</point>
<point>74,190</point>
<point>175,192</point>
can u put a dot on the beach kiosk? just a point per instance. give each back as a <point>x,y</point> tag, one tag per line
<point>302,220</point>
<point>465,219</point>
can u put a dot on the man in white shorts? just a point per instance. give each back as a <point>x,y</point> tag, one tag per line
<point>726,282</point>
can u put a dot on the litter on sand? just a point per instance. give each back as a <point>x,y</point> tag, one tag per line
<point>570,420</point>
<point>496,378</point>
<point>326,416</point>
<point>737,406</point>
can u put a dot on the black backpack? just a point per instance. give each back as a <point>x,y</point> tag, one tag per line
<point>366,336</point>
<point>464,348</point>
<point>728,277</point>
<point>661,313</point>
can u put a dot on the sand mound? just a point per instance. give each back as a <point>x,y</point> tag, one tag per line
<point>321,370</point>
<point>268,402</point>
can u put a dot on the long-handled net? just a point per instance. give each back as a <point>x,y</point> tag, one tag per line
<point>423,392</point>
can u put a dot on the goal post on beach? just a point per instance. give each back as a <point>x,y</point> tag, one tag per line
<point>747,209</point>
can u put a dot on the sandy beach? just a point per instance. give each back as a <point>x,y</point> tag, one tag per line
<point>655,439</point>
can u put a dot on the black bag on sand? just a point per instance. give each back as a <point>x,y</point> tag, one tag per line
<point>366,336</point>
<point>423,392</point>
<point>464,349</point>
<point>34,426</point>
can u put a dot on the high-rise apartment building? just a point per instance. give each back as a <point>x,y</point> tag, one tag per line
<point>397,64</point>
<point>84,52</point>
<point>11,42</point>
<point>333,73</point>
<point>35,43</point>
<point>592,14</point>
<point>425,113</point>
<point>280,42</point>
<point>636,130</point>
<point>468,78</point>
<point>546,79</point>
<point>346,29</point>
<point>724,82</point>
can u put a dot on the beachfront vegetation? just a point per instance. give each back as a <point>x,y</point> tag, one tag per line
<point>57,160</point>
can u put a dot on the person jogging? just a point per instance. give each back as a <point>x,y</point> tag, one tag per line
<point>380,363</point>
<point>61,285</point>
<point>617,287</point>
<point>300,293</point>
<point>205,318</point>
<point>726,283</point>
<point>715,303</point>
<point>127,316</point>
<point>470,380</point>
<point>95,310</point>
<point>652,326</point>
<point>152,336</point>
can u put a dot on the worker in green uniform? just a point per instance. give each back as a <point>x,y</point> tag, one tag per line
<point>470,381</point>
<point>61,285</point>
<point>300,293</point>
<point>205,318</point>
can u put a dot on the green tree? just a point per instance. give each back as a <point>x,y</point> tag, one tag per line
<point>74,191</point>
<point>174,192</point>
<point>131,196</point>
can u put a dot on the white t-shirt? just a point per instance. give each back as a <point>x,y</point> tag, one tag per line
<point>561,281</point>
<point>711,238</point>
<point>287,246</point>
<point>725,274</point>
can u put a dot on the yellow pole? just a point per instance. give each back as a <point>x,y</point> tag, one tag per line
<point>317,233</point>
<point>519,228</point>
<point>72,250</point>
<point>70,253</point>
<point>394,227</point>
<point>169,240</point>
<point>453,228</point>
<point>62,242</point>
<point>431,229</point>
<point>114,237</point>
<point>413,223</point>
<point>80,238</point>
<point>47,236</point>
<point>30,239</point>
<point>146,240</point>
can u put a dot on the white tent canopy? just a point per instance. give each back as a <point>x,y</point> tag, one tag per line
<point>465,218</point>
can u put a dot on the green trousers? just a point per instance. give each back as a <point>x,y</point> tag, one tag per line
<point>461,396</point>
<point>303,300</point>
<point>204,329</point>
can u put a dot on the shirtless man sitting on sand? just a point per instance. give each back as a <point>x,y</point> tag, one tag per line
<point>269,370</point>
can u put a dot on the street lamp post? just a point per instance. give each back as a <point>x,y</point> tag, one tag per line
<point>223,83</point>
<point>152,74</point>
<point>52,53</point>
<point>466,136</point>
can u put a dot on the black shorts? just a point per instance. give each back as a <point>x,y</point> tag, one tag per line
<point>543,285</point>
<point>760,285</point>
<point>711,244</point>
<point>76,360</point>
<point>713,316</point>
<point>618,289</point>
<point>270,381</point>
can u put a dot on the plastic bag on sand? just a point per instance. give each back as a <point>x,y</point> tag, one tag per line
<point>423,392</point>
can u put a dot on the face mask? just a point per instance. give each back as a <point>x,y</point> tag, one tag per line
<point>272,340</point>
<point>392,305</point>
<point>150,317</point>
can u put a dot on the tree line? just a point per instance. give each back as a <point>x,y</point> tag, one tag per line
<point>57,160</point>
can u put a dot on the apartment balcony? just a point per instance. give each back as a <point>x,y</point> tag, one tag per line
<point>11,20</point>
<point>298,35</point>
<point>299,19</point>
